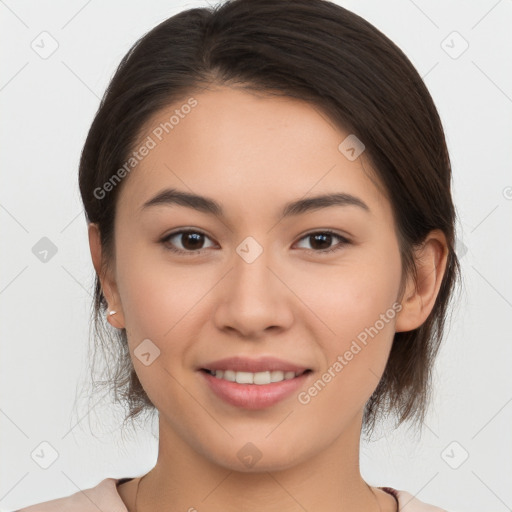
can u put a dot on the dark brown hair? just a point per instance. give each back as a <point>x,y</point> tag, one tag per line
<point>312,50</point>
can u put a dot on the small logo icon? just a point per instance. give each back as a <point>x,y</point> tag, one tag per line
<point>249,249</point>
<point>44,455</point>
<point>351,147</point>
<point>44,250</point>
<point>454,45</point>
<point>454,455</point>
<point>45,45</point>
<point>146,352</point>
<point>249,455</point>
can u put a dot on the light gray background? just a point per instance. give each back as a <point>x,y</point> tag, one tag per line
<point>47,107</point>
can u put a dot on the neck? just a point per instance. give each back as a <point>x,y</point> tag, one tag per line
<point>184,479</point>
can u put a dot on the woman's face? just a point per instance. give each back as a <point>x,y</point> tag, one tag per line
<point>252,283</point>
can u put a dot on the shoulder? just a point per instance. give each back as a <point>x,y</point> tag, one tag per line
<point>103,496</point>
<point>413,504</point>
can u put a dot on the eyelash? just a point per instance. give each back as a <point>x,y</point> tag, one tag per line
<point>343,241</point>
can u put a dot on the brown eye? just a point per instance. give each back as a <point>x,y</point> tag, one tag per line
<point>321,241</point>
<point>185,241</point>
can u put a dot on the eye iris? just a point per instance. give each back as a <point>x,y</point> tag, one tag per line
<point>322,237</point>
<point>197,240</point>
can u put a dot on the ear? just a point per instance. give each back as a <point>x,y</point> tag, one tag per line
<point>108,284</point>
<point>420,295</point>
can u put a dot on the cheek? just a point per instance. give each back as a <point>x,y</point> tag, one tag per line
<point>352,296</point>
<point>158,304</point>
<point>357,304</point>
<point>156,299</point>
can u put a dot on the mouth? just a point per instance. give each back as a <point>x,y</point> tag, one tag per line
<point>260,378</point>
<point>254,390</point>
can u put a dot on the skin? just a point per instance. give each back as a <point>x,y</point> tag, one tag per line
<point>253,153</point>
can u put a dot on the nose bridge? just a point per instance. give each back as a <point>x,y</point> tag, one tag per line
<point>252,277</point>
<point>253,298</point>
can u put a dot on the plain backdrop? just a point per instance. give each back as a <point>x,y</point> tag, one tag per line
<point>462,49</point>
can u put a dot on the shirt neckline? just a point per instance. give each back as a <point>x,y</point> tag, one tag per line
<point>389,490</point>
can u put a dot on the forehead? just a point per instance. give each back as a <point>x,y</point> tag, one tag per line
<point>249,150</point>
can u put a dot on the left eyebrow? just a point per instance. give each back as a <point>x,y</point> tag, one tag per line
<point>170,196</point>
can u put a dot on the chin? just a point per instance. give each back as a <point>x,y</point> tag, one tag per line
<point>251,459</point>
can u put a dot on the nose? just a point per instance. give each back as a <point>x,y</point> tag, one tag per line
<point>253,298</point>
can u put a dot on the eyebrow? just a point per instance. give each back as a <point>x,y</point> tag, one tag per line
<point>170,197</point>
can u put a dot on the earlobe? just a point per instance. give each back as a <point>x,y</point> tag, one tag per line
<point>420,294</point>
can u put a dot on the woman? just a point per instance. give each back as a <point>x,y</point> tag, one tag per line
<point>267,187</point>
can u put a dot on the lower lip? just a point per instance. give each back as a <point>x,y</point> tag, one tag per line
<point>253,396</point>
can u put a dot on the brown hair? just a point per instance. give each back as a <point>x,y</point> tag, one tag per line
<point>312,50</point>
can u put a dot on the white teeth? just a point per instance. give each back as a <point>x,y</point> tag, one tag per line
<point>259,378</point>
<point>245,377</point>
<point>276,376</point>
<point>262,378</point>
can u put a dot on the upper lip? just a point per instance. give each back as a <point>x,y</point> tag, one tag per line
<point>245,364</point>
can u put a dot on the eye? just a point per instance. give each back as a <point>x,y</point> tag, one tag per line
<point>323,239</point>
<point>192,241</point>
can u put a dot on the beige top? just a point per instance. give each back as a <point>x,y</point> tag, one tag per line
<point>105,496</point>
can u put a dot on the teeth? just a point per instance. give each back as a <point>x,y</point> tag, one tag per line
<point>259,378</point>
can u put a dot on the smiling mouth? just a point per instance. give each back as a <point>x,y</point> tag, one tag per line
<point>257,378</point>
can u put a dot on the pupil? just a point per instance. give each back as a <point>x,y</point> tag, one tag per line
<point>322,238</point>
<point>196,240</point>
